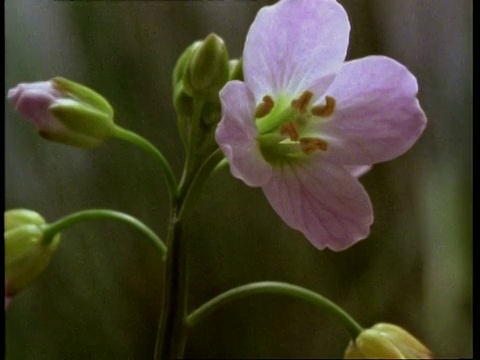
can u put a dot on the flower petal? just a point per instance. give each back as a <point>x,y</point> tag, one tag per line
<point>236,135</point>
<point>32,101</point>
<point>378,116</point>
<point>323,201</point>
<point>358,170</point>
<point>294,46</point>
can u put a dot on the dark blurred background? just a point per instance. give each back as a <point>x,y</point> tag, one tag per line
<point>100,297</point>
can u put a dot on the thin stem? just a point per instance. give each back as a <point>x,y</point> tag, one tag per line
<point>97,214</point>
<point>148,147</point>
<point>188,196</point>
<point>273,287</point>
<point>193,136</point>
<point>170,341</point>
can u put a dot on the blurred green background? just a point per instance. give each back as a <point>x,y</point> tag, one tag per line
<point>100,297</point>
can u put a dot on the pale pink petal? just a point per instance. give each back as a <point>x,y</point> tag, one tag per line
<point>323,201</point>
<point>236,134</point>
<point>358,170</point>
<point>32,101</point>
<point>377,116</point>
<point>294,46</point>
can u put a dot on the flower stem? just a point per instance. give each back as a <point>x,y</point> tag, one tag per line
<point>189,195</point>
<point>148,147</point>
<point>170,341</point>
<point>97,214</point>
<point>273,287</point>
<point>172,330</point>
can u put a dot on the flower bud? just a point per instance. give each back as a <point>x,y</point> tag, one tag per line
<point>64,111</point>
<point>386,341</point>
<point>208,70</point>
<point>26,252</point>
<point>181,65</point>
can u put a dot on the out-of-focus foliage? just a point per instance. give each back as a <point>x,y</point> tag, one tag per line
<point>100,296</point>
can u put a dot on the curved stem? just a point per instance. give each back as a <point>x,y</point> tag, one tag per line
<point>193,138</point>
<point>97,214</point>
<point>273,287</point>
<point>188,196</point>
<point>148,147</point>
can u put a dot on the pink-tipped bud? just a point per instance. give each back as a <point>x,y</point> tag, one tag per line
<point>64,111</point>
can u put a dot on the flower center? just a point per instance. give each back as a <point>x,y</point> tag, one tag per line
<point>283,126</point>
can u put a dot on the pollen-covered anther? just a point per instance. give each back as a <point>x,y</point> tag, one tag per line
<point>264,107</point>
<point>302,102</point>
<point>291,130</point>
<point>310,145</point>
<point>325,110</point>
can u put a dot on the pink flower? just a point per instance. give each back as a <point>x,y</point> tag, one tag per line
<point>304,123</point>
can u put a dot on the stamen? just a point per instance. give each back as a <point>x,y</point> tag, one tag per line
<point>291,130</point>
<point>264,107</point>
<point>301,103</point>
<point>325,110</point>
<point>310,145</point>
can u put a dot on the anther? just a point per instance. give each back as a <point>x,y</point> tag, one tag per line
<point>264,107</point>
<point>291,130</point>
<point>310,145</point>
<point>301,103</point>
<point>325,110</point>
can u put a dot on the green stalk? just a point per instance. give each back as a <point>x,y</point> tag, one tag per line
<point>273,287</point>
<point>148,147</point>
<point>170,340</point>
<point>97,214</point>
<point>171,333</point>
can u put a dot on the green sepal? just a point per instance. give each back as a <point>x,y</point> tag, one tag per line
<point>18,217</point>
<point>180,67</point>
<point>84,94</point>
<point>87,127</point>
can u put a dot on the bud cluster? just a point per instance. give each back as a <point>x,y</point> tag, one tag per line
<point>200,73</point>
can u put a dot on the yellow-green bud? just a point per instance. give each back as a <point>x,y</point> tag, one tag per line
<point>26,252</point>
<point>386,341</point>
<point>64,111</point>
<point>208,70</point>
<point>18,217</point>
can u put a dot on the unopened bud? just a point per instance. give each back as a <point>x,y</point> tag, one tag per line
<point>26,252</point>
<point>208,68</point>
<point>64,111</point>
<point>386,341</point>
